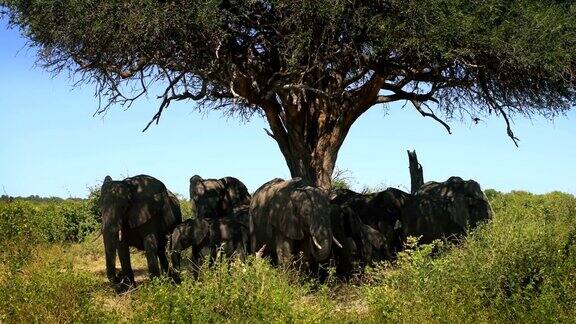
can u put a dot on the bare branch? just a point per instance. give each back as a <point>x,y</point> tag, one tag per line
<point>508,128</point>
<point>386,99</point>
<point>418,105</point>
<point>178,97</point>
<point>495,105</point>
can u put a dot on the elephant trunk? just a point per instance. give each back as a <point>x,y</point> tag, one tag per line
<point>321,246</point>
<point>111,246</point>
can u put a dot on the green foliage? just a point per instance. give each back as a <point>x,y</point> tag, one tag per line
<point>517,268</point>
<point>229,292</point>
<point>53,293</point>
<point>46,222</point>
<point>339,184</point>
<point>472,51</point>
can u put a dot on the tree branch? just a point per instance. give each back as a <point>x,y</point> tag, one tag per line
<point>508,128</point>
<point>305,87</point>
<point>418,105</point>
<point>178,97</point>
<point>492,102</point>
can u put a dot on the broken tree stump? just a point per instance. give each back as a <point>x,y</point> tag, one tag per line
<point>416,172</point>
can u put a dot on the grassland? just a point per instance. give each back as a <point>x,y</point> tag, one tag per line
<point>521,267</point>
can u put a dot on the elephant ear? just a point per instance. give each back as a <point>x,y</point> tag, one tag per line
<point>226,199</point>
<point>141,211</point>
<point>196,186</point>
<point>200,230</point>
<point>148,199</point>
<point>372,236</point>
<point>459,211</point>
<point>290,207</point>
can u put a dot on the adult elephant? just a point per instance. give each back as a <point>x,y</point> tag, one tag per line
<point>138,211</point>
<point>361,244</point>
<point>445,209</point>
<point>380,211</point>
<point>290,218</point>
<point>216,198</point>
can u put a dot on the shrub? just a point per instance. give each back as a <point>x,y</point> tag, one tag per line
<point>46,222</point>
<point>231,292</point>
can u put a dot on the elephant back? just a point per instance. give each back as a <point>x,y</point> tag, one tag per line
<point>383,209</point>
<point>259,205</point>
<point>445,209</point>
<point>149,198</point>
<point>236,191</point>
<point>208,197</point>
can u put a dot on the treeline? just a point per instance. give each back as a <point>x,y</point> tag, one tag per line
<point>36,198</point>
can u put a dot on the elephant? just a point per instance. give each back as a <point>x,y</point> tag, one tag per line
<point>445,210</point>
<point>216,198</point>
<point>288,218</point>
<point>361,244</point>
<point>138,211</point>
<point>207,236</point>
<point>381,212</point>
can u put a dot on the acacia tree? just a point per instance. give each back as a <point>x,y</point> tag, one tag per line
<point>311,68</point>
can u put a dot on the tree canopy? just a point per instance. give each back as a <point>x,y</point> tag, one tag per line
<point>313,67</point>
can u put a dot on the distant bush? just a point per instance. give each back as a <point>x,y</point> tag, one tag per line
<point>46,222</point>
<point>492,193</point>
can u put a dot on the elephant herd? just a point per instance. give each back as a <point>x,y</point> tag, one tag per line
<point>287,221</point>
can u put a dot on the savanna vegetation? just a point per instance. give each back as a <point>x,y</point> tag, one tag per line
<point>520,267</point>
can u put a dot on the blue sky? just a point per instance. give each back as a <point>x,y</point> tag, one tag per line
<point>52,146</point>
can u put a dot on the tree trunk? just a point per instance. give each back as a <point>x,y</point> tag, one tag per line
<point>316,166</point>
<point>309,139</point>
<point>416,172</point>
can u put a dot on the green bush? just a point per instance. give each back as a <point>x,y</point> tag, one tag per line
<point>230,292</point>
<point>46,222</point>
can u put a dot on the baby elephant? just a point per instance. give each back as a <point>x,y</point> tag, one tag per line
<point>207,237</point>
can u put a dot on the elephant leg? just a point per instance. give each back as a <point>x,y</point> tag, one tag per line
<point>164,265</point>
<point>124,256</point>
<point>162,255</point>
<point>176,257</point>
<point>111,247</point>
<point>151,248</point>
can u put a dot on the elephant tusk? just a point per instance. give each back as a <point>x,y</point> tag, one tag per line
<point>336,242</point>
<point>261,251</point>
<point>316,243</point>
